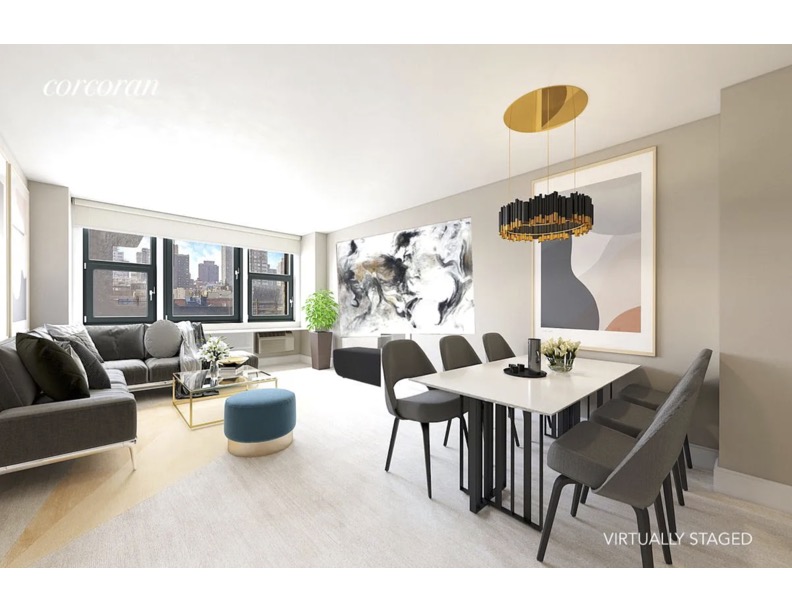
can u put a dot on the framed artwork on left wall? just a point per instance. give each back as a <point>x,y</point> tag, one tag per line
<point>19,242</point>
<point>4,171</point>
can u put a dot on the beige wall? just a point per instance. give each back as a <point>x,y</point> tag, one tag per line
<point>756,282</point>
<point>50,254</point>
<point>687,260</point>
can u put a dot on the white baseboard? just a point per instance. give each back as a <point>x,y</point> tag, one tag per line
<point>264,361</point>
<point>703,458</point>
<point>753,489</point>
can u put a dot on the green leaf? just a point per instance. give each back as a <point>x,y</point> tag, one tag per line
<point>321,310</point>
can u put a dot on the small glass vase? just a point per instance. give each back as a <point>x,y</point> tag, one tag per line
<point>561,364</point>
<point>214,372</point>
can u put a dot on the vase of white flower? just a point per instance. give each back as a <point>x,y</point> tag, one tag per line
<point>560,353</point>
<point>213,352</point>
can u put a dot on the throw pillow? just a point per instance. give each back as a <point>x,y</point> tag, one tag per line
<point>163,339</point>
<point>66,346</point>
<point>74,332</point>
<point>53,369</point>
<point>97,375</point>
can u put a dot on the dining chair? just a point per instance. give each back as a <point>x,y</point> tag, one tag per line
<point>652,399</point>
<point>626,469</point>
<point>633,417</point>
<point>496,348</point>
<point>455,353</point>
<point>402,359</point>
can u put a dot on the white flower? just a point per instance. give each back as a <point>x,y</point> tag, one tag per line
<point>214,350</point>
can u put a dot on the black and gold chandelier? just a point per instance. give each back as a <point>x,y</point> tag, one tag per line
<point>550,216</point>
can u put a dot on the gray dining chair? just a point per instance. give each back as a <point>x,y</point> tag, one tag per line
<point>402,359</point>
<point>496,348</point>
<point>632,413</point>
<point>626,469</point>
<point>455,353</point>
<point>652,399</point>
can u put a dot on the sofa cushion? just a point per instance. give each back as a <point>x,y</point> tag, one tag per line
<point>17,387</point>
<point>117,380</point>
<point>28,433</point>
<point>116,342</point>
<point>163,339</point>
<point>53,369</point>
<point>76,332</point>
<point>97,375</point>
<point>134,370</point>
<point>162,369</point>
<point>41,332</point>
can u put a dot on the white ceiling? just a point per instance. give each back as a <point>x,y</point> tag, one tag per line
<point>316,138</point>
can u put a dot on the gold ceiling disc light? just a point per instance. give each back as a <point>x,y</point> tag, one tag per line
<point>549,216</point>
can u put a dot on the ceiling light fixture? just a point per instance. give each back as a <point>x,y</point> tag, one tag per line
<point>548,216</point>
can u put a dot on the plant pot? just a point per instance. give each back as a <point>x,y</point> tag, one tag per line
<point>321,345</point>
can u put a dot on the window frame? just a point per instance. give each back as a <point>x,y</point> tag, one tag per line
<point>91,265</point>
<point>287,278</point>
<point>168,286</point>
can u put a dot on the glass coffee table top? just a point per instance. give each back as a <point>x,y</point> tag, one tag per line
<point>191,389</point>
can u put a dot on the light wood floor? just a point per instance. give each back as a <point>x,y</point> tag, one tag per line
<point>324,501</point>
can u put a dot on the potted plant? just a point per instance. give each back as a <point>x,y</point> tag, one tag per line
<point>321,313</point>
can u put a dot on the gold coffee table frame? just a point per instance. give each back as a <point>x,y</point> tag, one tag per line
<point>197,383</point>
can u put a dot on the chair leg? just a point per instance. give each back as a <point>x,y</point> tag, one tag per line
<point>661,527</point>
<point>688,456</point>
<point>678,484</point>
<point>584,496</point>
<point>132,457</point>
<point>425,429</point>
<point>558,486</point>
<point>514,427</point>
<point>392,442</point>
<point>576,498</point>
<point>683,470</point>
<point>669,504</point>
<point>644,536</point>
<point>448,431</point>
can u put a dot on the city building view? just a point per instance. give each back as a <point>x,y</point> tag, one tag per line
<point>119,293</point>
<point>201,287</point>
<point>269,297</point>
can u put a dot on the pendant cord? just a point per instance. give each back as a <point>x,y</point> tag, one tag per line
<point>547,130</point>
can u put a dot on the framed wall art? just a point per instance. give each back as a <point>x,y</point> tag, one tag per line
<point>599,288</point>
<point>416,280</point>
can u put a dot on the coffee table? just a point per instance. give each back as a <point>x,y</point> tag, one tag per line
<point>197,387</point>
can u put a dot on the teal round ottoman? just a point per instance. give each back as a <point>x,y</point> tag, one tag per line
<point>259,422</point>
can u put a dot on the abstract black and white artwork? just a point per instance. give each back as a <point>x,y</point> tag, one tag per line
<point>416,280</point>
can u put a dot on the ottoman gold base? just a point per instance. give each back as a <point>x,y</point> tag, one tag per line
<point>260,449</point>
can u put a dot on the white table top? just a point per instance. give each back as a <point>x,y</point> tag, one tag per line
<point>548,395</point>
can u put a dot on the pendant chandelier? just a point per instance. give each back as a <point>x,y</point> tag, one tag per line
<point>548,216</point>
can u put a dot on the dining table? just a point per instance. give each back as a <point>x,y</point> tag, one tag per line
<point>487,390</point>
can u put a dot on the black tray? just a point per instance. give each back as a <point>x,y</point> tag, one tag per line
<point>525,373</point>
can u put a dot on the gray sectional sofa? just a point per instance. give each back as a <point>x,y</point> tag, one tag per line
<point>123,347</point>
<point>35,430</point>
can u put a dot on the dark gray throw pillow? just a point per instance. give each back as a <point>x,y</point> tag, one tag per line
<point>66,346</point>
<point>53,369</point>
<point>74,332</point>
<point>97,375</point>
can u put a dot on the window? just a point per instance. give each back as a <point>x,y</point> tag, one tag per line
<point>120,277</point>
<point>270,286</point>
<point>202,282</point>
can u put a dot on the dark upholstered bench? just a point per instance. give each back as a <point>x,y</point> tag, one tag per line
<point>358,363</point>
